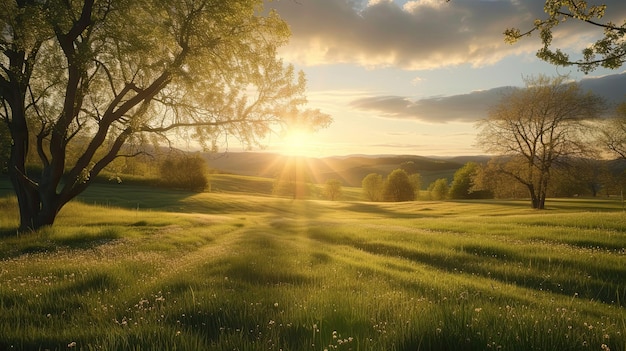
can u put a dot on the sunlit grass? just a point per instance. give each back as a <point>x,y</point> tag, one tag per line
<point>223,271</point>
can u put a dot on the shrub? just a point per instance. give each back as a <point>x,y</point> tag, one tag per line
<point>186,172</point>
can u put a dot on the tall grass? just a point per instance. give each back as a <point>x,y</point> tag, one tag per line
<point>225,272</point>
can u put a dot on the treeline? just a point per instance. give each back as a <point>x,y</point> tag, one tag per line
<point>581,177</point>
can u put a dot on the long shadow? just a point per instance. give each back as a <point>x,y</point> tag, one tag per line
<point>607,288</point>
<point>364,207</point>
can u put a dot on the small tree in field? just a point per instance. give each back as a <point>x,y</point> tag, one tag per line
<point>92,76</point>
<point>184,172</point>
<point>373,186</point>
<point>532,129</point>
<point>398,187</point>
<point>332,189</point>
<point>438,189</point>
<point>463,181</point>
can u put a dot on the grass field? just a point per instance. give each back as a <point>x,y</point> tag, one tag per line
<point>142,269</point>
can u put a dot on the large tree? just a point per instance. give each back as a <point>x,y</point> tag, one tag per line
<point>532,129</point>
<point>609,51</point>
<point>95,76</point>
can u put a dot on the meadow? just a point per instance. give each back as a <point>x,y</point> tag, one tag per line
<point>146,269</point>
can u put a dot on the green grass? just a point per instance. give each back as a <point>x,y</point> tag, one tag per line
<point>163,270</point>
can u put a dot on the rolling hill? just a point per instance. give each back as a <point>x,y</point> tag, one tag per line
<point>349,169</point>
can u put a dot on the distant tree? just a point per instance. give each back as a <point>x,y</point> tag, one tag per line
<point>463,182</point>
<point>398,187</point>
<point>92,76</point>
<point>613,132</point>
<point>439,189</point>
<point>373,186</point>
<point>332,189</point>
<point>290,187</point>
<point>293,180</point>
<point>409,167</point>
<point>416,181</point>
<point>532,129</point>
<point>580,176</point>
<point>184,172</point>
<point>608,52</point>
<point>492,183</point>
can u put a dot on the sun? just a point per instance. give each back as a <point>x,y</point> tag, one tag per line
<point>297,143</point>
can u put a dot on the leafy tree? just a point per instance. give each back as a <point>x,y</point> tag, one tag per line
<point>608,52</point>
<point>293,179</point>
<point>373,186</point>
<point>613,132</point>
<point>532,129</point>
<point>398,187</point>
<point>92,76</point>
<point>463,181</point>
<point>491,182</point>
<point>184,172</point>
<point>416,181</point>
<point>332,189</point>
<point>409,167</point>
<point>439,189</point>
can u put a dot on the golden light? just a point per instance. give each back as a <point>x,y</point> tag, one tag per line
<point>297,142</point>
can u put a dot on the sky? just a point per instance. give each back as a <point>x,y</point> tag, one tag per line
<point>413,77</point>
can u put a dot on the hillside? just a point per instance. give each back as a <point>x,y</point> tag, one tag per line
<point>349,169</point>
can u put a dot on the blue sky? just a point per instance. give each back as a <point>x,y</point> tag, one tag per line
<point>412,77</point>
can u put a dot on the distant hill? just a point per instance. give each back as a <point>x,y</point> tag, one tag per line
<point>349,169</point>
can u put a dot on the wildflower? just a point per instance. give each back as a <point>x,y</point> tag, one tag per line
<point>605,347</point>
<point>72,344</point>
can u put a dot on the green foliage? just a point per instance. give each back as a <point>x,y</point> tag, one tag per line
<point>398,187</point>
<point>608,52</point>
<point>184,172</point>
<point>240,272</point>
<point>105,75</point>
<point>439,189</point>
<point>373,186</point>
<point>462,186</point>
<point>332,189</point>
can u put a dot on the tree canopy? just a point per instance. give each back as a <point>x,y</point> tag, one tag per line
<point>532,129</point>
<point>398,187</point>
<point>609,51</point>
<point>373,185</point>
<point>103,77</point>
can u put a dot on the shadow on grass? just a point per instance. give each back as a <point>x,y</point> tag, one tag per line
<point>472,260</point>
<point>364,207</point>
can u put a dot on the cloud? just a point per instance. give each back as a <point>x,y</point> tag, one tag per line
<point>469,108</point>
<point>419,34</point>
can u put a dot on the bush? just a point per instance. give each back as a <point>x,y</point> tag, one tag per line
<point>186,172</point>
<point>332,189</point>
<point>399,187</point>
<point>372,186</point>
